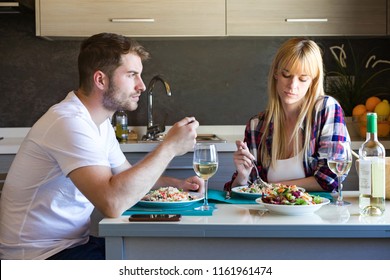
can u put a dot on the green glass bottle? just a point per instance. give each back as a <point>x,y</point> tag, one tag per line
<point>372,171</point>
<point>121,126</point>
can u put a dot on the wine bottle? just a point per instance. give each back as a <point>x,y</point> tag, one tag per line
<point>372,171</point>
<point>121,122</point>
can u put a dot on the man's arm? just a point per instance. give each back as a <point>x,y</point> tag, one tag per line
<point>112,192</point>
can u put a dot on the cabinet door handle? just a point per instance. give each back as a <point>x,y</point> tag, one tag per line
<point>306,19</point>
<point>121,20</point>
<point>9,4</point>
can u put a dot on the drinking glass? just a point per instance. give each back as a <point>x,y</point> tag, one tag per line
<point>339,162</point>
<point>205,165</point>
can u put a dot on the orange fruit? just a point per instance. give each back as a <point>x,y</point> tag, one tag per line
<point>359,110</point>
<point>362,130</point>
<point>362,124</point>
<point>363,118</point>
<point>371,103</point>
<point>383,129</point>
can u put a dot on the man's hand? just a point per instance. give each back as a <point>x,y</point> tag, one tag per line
<point>181,138</point>
<point>194,184</point>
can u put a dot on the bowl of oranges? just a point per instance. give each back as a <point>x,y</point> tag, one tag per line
<point>378,106</point>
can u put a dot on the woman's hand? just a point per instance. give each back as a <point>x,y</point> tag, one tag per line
<point>243,161</point>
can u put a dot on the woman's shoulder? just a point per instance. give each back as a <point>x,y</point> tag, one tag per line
<point>326,101</point>
<point>258,118</point>
<point>256,122</point>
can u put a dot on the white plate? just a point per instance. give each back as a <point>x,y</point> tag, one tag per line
<point>173,204</point>
<point>237,190</point>
<point>293,210</point>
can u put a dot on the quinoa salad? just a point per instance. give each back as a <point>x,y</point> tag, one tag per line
<point>168,194</point>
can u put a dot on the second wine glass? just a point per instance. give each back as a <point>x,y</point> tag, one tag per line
<point>205,165</point>
<point>339,162</point>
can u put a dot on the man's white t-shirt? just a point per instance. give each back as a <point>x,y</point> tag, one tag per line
<point>42,212</point>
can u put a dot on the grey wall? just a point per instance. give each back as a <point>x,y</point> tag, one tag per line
<point>221,81</point>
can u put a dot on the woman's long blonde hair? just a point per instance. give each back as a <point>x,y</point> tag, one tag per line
<point>296,55</point>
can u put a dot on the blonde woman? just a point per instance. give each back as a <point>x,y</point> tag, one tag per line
<point>287,140</point>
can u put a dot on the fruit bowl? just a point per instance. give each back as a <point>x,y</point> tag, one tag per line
<point>360,125</point>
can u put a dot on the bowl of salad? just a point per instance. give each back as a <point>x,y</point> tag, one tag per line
<point>254,191</point>
<point>291,200</point>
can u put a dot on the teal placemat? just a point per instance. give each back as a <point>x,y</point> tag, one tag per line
<point>219,196</point>
<point>184,211</point>
<point>322,194</point>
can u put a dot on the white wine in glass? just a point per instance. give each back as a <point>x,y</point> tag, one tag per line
<point>339,162</point>
<point>339,167</point>
<point>205,165</point>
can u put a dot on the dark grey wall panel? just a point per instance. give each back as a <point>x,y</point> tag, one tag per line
<point>221,81</point>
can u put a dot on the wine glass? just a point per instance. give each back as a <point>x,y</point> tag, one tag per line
<point>339,162</point>
<point>205,164</point>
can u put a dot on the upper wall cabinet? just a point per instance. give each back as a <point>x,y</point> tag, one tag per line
<point>130,17</point>
<point>306,17</point>
<point>388,17</point>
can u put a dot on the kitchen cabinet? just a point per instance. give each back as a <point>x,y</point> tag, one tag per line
<point>181,167</point>
<point>186,18</point>
<point>388,17</point>
<point>306,17</point>
<point>82,18</point>
<point>5,162</point>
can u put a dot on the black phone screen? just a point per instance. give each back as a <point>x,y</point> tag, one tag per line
<point>155,218</point>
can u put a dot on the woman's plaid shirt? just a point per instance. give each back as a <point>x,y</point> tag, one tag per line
<point>328,125</point>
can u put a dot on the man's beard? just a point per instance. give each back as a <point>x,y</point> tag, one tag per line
<point>112,103</point>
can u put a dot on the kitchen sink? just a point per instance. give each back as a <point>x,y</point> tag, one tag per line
<point>204,138</point>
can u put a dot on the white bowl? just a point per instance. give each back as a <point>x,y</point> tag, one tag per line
<point>293,210</point>
<point>239,191</point>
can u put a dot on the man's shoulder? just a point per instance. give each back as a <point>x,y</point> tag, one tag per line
<point>70,105</point>
<point>66,115</point>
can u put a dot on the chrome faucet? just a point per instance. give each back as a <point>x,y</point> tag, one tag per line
<point>153,130</point>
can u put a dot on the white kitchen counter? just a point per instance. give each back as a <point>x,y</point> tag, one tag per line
<point>13,137</point>
<point>242,231</point>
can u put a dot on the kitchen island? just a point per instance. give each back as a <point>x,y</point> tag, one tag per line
<point>245,231</point>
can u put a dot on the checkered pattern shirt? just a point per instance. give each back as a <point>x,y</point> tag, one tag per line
<point>328,125</point>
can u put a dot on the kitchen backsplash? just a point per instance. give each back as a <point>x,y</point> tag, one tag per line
<point>220,81</point>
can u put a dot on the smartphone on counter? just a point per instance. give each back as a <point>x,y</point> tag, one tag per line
<point>155,218</point>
